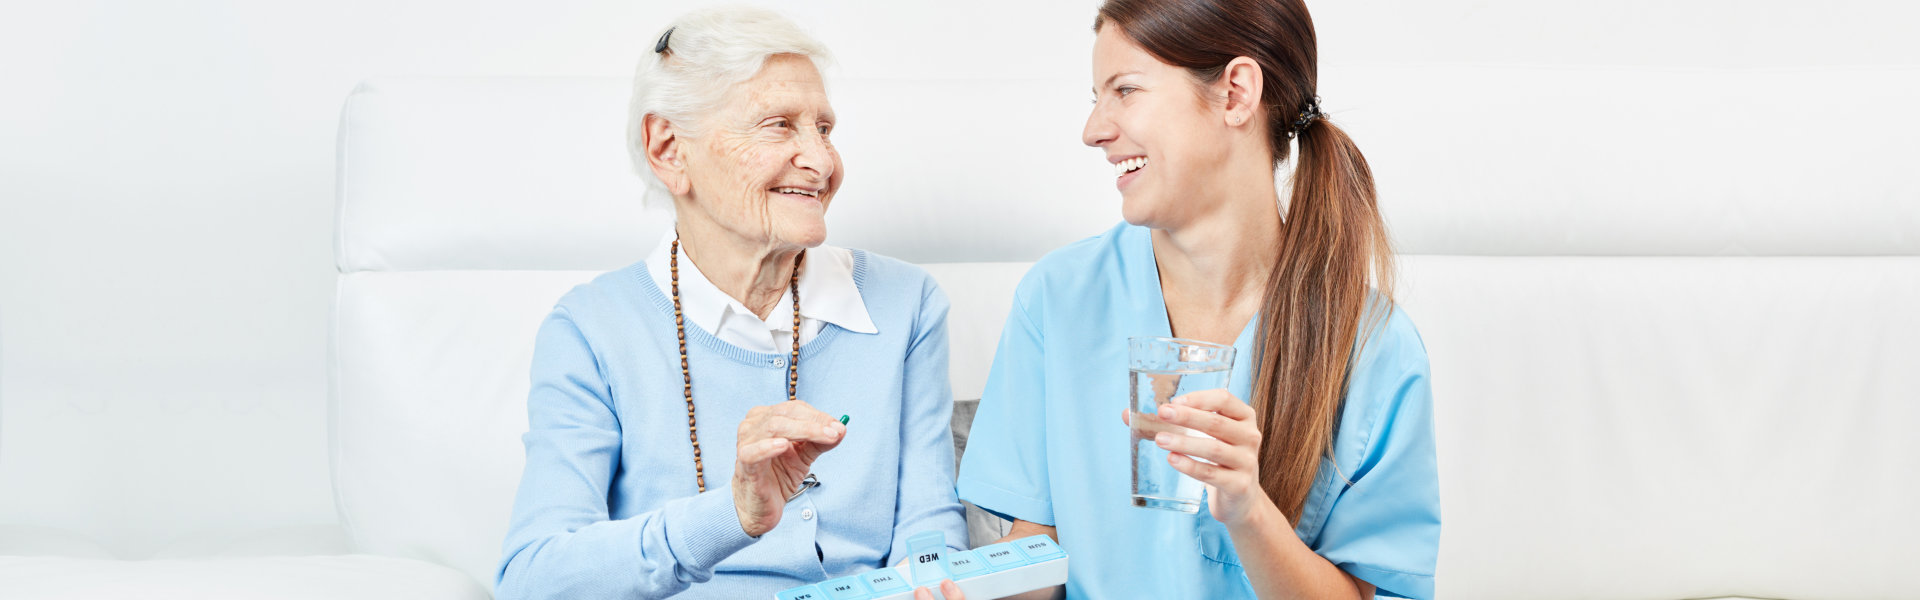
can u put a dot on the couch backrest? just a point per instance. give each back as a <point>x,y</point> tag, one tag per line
<point>1668,310</point>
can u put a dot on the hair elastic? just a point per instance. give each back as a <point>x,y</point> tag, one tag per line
<point>1308,114</point>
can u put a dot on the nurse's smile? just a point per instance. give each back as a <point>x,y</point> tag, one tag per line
<point>1126,169</point>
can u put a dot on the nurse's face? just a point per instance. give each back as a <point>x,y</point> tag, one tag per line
<point>1167,139</point>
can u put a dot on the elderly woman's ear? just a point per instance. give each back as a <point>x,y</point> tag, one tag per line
<point>664,149</point>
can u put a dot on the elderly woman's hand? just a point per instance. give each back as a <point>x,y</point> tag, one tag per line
<point>777,446</point>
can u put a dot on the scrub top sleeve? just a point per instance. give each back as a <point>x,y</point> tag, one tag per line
<point>1385,528</point>
<point>925,499</point>
<point>1004,468</point>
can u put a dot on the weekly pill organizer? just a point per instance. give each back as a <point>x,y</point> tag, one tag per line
<point>992,571</point>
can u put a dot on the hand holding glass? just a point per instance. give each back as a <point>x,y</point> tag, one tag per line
<point>1158,370</point>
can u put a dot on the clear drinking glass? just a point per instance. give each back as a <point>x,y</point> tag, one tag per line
<point>1158,369</point>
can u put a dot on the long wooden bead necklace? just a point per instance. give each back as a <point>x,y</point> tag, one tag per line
<point>686,374</point>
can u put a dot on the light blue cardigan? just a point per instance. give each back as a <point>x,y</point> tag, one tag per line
<point>607,505</point>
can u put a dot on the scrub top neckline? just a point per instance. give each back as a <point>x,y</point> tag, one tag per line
<point>1163,322</point>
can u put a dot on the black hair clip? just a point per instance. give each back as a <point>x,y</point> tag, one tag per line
<point>661,46</point>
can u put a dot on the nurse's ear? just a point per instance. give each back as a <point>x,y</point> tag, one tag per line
<point>1239,89</point>
<point>665,155</point>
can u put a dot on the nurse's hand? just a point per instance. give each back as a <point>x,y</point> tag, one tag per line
<point>1233,480</point>
<point>948,589</point>
<point>777,446</point>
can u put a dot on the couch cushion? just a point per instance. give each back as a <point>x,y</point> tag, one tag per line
<point>980,294</point>
<point>303,540</point>
<point>32,540</point>
<point>1642,427</point>
<point>430,380</point>
<point>283,578</point>
<point>982,527</point>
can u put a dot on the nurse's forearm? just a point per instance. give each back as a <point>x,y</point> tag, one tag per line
<point>1282,567</point>
<point>1023,529</point>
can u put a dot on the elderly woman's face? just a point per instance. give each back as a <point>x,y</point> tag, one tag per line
<point>767,170</point>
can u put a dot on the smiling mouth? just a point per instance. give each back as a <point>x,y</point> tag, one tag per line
<point>1129,165</point>
<point>797,191</point>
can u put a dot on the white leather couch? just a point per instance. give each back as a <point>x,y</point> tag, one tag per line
<point>1675,353</point>
<point>1670,311</point>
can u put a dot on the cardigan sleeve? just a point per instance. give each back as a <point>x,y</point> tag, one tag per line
<point>560,542</point>
<point>926,499</point>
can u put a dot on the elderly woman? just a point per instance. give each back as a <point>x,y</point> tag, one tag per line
<point>687,435</point>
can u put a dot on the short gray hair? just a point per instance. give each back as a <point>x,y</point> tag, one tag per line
<point>710,51</point>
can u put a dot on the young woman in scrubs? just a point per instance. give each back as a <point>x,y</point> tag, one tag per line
<point>1320,472</point>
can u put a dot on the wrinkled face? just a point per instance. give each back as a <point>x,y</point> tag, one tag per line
<point>1166,140</point>
<point>766,170</point>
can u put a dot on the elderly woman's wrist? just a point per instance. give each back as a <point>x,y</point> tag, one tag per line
<point>705,529</point>
<point>751,524</point>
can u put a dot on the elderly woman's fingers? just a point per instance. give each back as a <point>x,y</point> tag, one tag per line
<point>792,420</point>
<point>806,414</point>
<point>803,430</point>
<point>801,410</point>
<point>751,456</point>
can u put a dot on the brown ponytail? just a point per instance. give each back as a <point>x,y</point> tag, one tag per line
<point>1334,250</point>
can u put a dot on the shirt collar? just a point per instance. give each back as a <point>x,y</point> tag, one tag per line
<point>827,291</point>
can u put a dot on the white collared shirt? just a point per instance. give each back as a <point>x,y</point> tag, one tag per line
<point>827,295</point>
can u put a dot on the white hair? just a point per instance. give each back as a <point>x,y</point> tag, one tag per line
<point>709,52</point>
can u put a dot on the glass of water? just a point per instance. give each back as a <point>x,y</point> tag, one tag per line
<point>1159,369</point>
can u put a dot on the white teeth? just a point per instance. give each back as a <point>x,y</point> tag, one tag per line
<point>1129,165</point>
<point>787,190</point>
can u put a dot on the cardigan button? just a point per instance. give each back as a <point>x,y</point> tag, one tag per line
<point>806,514</point>
<point>777,362</point>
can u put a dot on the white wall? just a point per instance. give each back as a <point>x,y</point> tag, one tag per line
<point>166,180</point>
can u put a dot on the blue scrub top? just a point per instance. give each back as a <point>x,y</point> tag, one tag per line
<point>1048,445</point>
